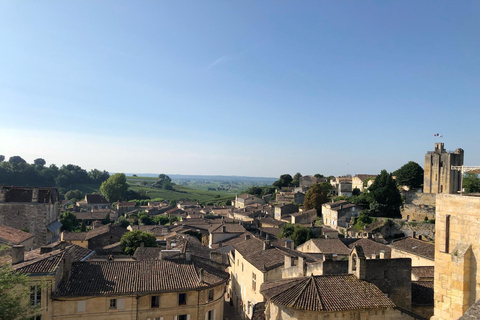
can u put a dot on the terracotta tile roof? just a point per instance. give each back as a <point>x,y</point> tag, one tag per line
<point>49,262</point>
<point>423,272</point>
<point>231,241</point>
<point>271,231</point>
<point>95,199</point>
<point>422,293</point>
<point>297,214</point>
<point>13,236</point>
<point>326,293</point>
<point>270,258</point>
<point>270,221</point>
<point>331,246</point>
<point>133,277</point>
<point>74,236</point>
<point>147,253</point>
<point>370,247</point>
<point>227,228</point>
<point>108,228</point>
<point>415,246</point>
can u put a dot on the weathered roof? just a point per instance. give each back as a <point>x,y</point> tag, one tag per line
<point>49,262</point>
<point>422,293</point>
<point>13,236</point>
<point>326,293</point>
<point>271,221</point>
<point>227,228</point>
<point>334,246</point>
<point>108,228</point>
<point>269,258</point>
<point>370,247</point>
<point>95,215</point>
<point>415,246</point>
<point>423,272</point>
<point>362,177</point>
<point>74,236</point>
<point>473,313</point>
<point>95,199</point>
<point>258,311</point>
<point>133,277</point>
<point>297,214</point>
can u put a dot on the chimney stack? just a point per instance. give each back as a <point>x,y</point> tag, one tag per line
<point>266,245</point>
<point>289,243</point>
<point>63,244</point>
<point>18,254</point>
<point>45,249</point>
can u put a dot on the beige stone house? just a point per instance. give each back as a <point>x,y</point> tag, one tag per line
<point>334,247</point>
<point>93,202</point>
<point>337,215</point>
<point>358,181</point>
<point>244,200</point>
<point>254,262</point>
<point>153,289</point>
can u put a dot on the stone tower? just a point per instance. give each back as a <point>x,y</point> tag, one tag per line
<point>438,176</point>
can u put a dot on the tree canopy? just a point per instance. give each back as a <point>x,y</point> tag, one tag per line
<point>410,174</point>
<point>132,240</point>
<point>74,195</point>
<point>69,221</point>
<point>39,162</point>
<point>384,195</point>
<point>16,160</point>
<point>296,179</point>
<point>296,232</point>
<point>285,180</point>
<point>317,195</point>
<point>115,187</point>
<point>164,182</point>
<point>471,183</point>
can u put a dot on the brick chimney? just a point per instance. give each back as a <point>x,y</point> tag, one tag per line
<point>18,254</point>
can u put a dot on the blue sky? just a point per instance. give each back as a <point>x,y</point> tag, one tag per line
<point>257,88</point>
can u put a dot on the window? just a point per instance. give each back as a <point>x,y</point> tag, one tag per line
<point>242,266</point>
<point>254,281</point>
<point>182,299</point>
<point>113,303</point>
<point>182,317</point>
<point>81,306</point>
<point>155,301</point>
<point>35,295</point>
<point>447,233</point>
<point>210,315</point>
<point>210,295</point>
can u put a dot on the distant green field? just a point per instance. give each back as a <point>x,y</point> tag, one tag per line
<point>200,193</point>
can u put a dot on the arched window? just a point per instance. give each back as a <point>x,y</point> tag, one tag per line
<point>354,262</point>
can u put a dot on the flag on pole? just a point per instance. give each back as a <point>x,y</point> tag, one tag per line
<point>438,135</point>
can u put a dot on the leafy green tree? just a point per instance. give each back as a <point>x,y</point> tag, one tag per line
<point>285,180</point>
<point>98,176</point>
<point>318,175</point>
<point>83,226</point>
<point>355,192</point>
<point>122,222</point>
<point>132,240</point>
<point>16,160</point>
<point>14,294</point>
<point>410,174</point>
<point>172,203</point>
<point>297,233</point>
<point>317,195</point>
<point>115,187</point>
<point>164,182</point>
<point>161,219</point>
<point>146,219</point>
<point>386,198</point>
<point>39,162</point>
<point>296,179</point>
<point>74,195</point>
<point>2,158</point>
<point>471,182</point>
<point>69,221</point>
<point>254,190</point>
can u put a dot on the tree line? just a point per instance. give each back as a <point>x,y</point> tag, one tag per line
<point>16,171</point>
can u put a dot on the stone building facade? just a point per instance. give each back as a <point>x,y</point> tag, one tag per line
<point>438,176</point>
<point>457,248</point>
<point>33,209</point>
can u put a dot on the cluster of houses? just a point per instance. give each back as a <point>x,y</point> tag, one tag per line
<point>235,257</point>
